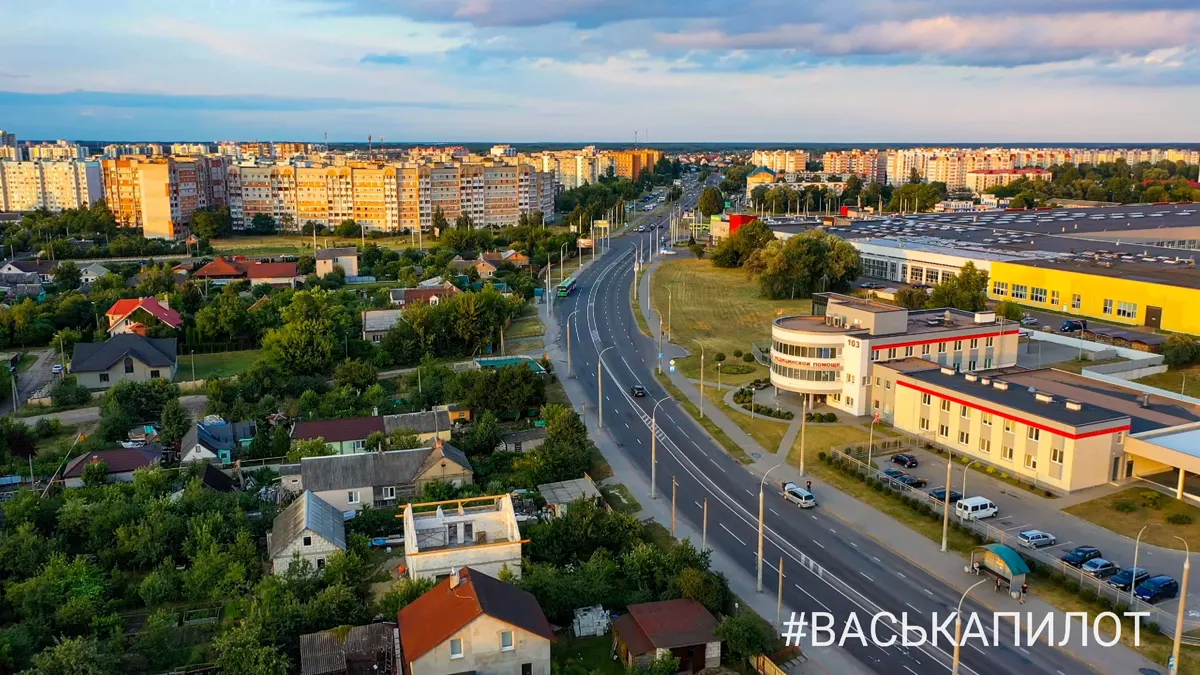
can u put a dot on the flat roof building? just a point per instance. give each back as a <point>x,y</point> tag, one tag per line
<point>479,532</point>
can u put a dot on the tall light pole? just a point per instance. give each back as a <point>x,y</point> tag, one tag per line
<point>958,626</point>
<point>600,387</point>
<point>761,484</point>
<point>946,500</point>
<point>1133,580</point>
<point>669,313</point>
<point>871,442</point>
<point>965,476</point>
<point>1173,664</point>
<point>654,446</point>
<point>803,423</point>
<point>701,377</point>
<point>569,317</point>
<point>562,269</point>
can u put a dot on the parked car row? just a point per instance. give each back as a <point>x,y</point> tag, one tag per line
<point>904,478</point>
<point>1147,587</point>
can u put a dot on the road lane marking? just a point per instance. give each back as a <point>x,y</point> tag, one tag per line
<point>773,511</point>
<point>901,575</point>
<point>983,652</point>
<point>749,492</point>
<point>639,441</point>
<point>818,543</point>
<point>715,463</point>
<point>914,608</point>
<point>910,669</point>
<point>732,534</point>
<point>927,591</point>
<point>876,559</point>
<point>866,577</point>
<point>1023,649</point>
<point>826,607</point>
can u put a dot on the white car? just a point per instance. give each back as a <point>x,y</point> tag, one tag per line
<point>667,251</point>
<point>798,495</point>
<point>57,369</point>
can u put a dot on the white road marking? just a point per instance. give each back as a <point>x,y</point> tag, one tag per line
<point>773,511</point>
<point>818,543</point>
<point>867,578</point>
<point>732,534</point>
<point>639,441</point>
<point>749,493</point>
<point>901,575</point>
<point>854,544</point>
<point>876,559</point>
<point>914,609</point>
<point>815,600</point>
<point>627,425</point>
<point>833,530</point>
<point>909,669</point>
<point>1023,649</point>
<point>927,591</point>
<point>715,464</point>
<point>981,651</point>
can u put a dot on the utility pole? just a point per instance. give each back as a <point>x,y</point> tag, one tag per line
<point>779,602</point>
<point>803,423</point>
<point>674,487</point>
<point>946,501</point>
<point>704,528</point>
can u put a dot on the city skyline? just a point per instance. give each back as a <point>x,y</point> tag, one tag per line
<point>1088,71</point>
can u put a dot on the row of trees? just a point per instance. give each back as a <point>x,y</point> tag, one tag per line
<point>1107,181</point>
<point>802,265</point>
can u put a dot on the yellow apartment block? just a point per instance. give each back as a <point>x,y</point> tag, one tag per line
<point>1160,294</point>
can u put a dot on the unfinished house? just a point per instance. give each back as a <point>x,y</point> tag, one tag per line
<point>479,532</point>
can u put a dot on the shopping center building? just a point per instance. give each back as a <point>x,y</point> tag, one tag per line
<point>830,355</point>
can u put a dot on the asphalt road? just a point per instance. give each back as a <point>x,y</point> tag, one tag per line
<point>829,568</point>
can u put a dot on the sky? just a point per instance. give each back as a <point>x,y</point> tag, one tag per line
<point>766,71</point>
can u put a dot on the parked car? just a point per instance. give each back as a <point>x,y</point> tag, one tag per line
<point>913,481</point>
<point>1100,568</point>
<point>1036,539</point>
<point>1128,578</point>
<point>57,369</point>
<point>1161,587</point>
<point>940,495</point>
<point>893,473</point>
<point>1028,320</point>
<point>1072,325</point>
<point>975,508</point>
<point>798,496</point>
<point>1080,554</point>
<point>906,461</point>
<point>870,284</point>
<point>637,390</point>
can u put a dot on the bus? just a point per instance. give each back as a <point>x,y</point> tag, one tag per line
<point>565,288</point>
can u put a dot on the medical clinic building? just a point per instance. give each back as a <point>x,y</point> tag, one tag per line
<point>830,356</point>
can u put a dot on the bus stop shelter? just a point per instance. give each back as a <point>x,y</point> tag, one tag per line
<point>1000,561</point>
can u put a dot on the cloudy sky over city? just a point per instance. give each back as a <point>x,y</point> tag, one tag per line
<point>596,70</point>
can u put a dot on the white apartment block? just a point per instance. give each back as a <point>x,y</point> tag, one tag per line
<point>9,149</point>
<point>114,150</point>
<point>869,165</point>
<point>190,149</point>
<point>51,185</point>
<point>781,161</point>
<point>950,164</point>
<point>58,150</point>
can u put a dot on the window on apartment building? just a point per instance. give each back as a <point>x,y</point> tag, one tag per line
<point>964,438</point>
<point>1006,452</point>
<point>1031,462</point>
<point>964,412</point>
<point>456,648</point>
<point>1107,306</point>
<point>1020,291</point>
<point>878,380</point>
<point>506,641</point>
<point>908,351</point>
<point>943,431</point>
<point>850,378</point>
<point>1056,455</point>
<point>971,364</point>
<point>924,350</point>
<point>974,343</point>
<point>1008,426</point>
<point>849,400</point>
<point>875,404</point>
<point>987,362</point>
<point>985,445</point>
<point>1037,295</point>
<point>1033,433</point>
<point>989,342</point>
<point>892,353</point>
<point>1127,310</point>
<point>1054,298</point>
<point>946,405</point>
<point>104,377</point>
<point>128,365</point>
<point>941,347</point>
<point>924,424</point>
<point>352,497</point>
<point>999,288</point>
<point>986,419</point>
<point>389,492</point>
<point>1076,301</point>
<point>958,345</point>
<point>887,385</point>
<point>925,399</point>
<point>875,354</point>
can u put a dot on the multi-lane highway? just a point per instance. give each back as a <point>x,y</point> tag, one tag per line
<point>829,566</point>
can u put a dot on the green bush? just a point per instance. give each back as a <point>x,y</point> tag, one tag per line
<point>1125,506</point>
<point>1088,594</point>
<point>829,417</point>
<point>748,357</point>
<point>822,456</point>
<point>737,353</point>
<point>1179,519</point>
<point>736,369</point>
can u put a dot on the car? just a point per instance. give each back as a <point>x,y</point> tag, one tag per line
<point>798,496</point>
<point>1100,568</point>
<point>637,390</point>
<point>1036,539</point>
<point>913,481</point>
<point>940,494</point>
<point>870,284</point>
<point>57,369</point>
<point>1080,554</point>
<point>893,473</point>
<point>1161,587</point>
<point>1072,326</point>
<point>906,461</point>
<point>134,443</point>
<point>1128,578</point>
<point>1029,320</point>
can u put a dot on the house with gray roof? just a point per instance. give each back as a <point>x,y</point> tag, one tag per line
<point>427,425</point>
<point>308,529</point>
<point>377,322</point>
<point>350,482</point>
<point>89,274</point>
<point>128,356</point>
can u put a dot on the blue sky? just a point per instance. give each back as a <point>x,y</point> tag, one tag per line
<point>595,70</point>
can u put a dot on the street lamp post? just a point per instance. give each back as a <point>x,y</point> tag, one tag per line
<point>701,378</point>
<point>600,387</point>
<point>965,477</point>
<point>1173,664</point>
<point>761,484</point>
<point>946,500</point>
<point>1133,580</point>
<point>958,626</point>
<point>803,423</point>
<point>570,373</point>
<point>562,253</point>
<point>669,312</point>
<point>871,442</point>
<point>654,446</point>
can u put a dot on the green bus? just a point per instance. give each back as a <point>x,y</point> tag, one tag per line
<point>565,288</point>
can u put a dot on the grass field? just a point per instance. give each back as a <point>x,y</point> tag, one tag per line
<point>220,364</point>
<point>767,431</point>
<point>592,654</point>
<point>1075,365</point>
<point>526,326</point>
<point>818,438</point>
<point>1185,381</point>
<point>620,498</point>
<point>718,308</point>
<point>1150,508</point>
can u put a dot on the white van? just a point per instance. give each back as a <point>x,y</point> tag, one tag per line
<point>975,508</point>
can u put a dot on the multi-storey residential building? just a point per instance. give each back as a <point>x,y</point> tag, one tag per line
<point>869,165</point>
<point>190,149</point>
<point>9,149</point>
<point>949,168</point>
<point>55,186</point>
<point>503,151</point>
<point>113,150</point>
<point>781,161</point>
<point>981,180</point>
<point>631,163</point>
<point>289,150</point>
<point>58,150</point>
<point>160,194</point>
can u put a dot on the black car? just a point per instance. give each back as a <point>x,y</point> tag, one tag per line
<point>1080,554</point>
<point>940,495</point>
<point>893,473</point>
<point>906,461</point>
<point>637,390</point>
<point>1129,577</point>
<point>913,481</point>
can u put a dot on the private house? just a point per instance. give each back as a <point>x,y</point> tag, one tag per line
<point>127,356</point>
<point>42,268</point>
<point>458,414</point>
<point>377,322</point>
<point>478,532</point>
<point>481,265</point>
<point>361,650</point>
<point>215,440</point>
<point>511,256</point>
<point>131,315</point>
<point>345,258</point>
<point>308,529</point>
<point>223,271</point>
<point>351,482</point>
<point>474,623</point>
<point>683,628</point>
<point>121,463</point>
<point>35,291</point>
<point>88,275</point>
<point>344,436</point>
<point>522,441</point>
<point>559,496</point>
<point>404,297</point>
<point>428,425</point>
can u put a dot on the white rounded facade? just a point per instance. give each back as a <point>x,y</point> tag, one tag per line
<point>806,355</point>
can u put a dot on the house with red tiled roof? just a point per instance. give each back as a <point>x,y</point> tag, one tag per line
<point>682,627</point>
<point>121,464</point>
<point>131,315</point>
<point>474,623</point>
<point>345,436</point>
<point>404,297</point>
<point>223,271</point>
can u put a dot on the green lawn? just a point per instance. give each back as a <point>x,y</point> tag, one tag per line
<point>592,654</point>
<point>526,326</point>
<point>26,362</point>
<point>220,364</point>
<point>819,438</point>
<point>1179,380</point>
<point>720,309</point>
<point>620,498</point>
<point>1075,365</point>
<point>767,431</point>
<point>1150,507</point>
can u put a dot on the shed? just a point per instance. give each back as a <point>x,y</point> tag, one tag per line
<point>560,495</point>
<point>682,627</point>
<point>1000,561</point>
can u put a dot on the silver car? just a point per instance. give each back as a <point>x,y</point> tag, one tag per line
<point>1036,539</point>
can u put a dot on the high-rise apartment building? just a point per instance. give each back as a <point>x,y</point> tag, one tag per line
<point>190,149</point>
<point>9,149</point>
<point>58,150</point>
<point>631,163</point>
<point>51,185</point>
<point>781,161</point>
<point>160,194</point>
<point>121,150</point>
<point>869,165</point>
<point>981,180</point>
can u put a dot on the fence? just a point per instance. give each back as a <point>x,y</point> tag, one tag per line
<point>763,665</point>
<point>1037,559</point>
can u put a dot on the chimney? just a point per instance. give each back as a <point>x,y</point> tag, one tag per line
<point>1144,401</point>
<point>985,381</point>
<point>971,377</point>
<point>1000,384</point>
<point>454,580</point>
<point>946,316</point>
<point>947,371</point>
<point>1043,397</point>
<point>1074,405</point>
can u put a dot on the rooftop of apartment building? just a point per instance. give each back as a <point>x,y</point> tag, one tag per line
<point>1147,412</point>
<point>485,520</point>
<point>917,322</point>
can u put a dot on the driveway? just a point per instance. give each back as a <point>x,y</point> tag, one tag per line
<point>38,375</point>
<point>194,404</point>
<point>1021,509</point>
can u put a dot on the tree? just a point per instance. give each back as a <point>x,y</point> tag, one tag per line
<point>737,248</point>
<point>347,228</point>
<point>95,473</point>
<point>402,593</point>
<point>313,447</point>
<point>661,665</point>
<point>745,635</point>
<point>174,423</point>
<point>802,265</point>
<point>711,202</point>
<point>1009,310</point>
<point>263,223</point>
<point>440,224</point>
<point>76,656</point>
<point>911,298</point>
<point>403,438</point>
<point>300,347</point>
<point>241,651</point>
<point>210,224</point>
<point>584,529</point>
<point>355,374</point>
<point>67,275</point>
<point>966,290</point>
<point>1180,350</point>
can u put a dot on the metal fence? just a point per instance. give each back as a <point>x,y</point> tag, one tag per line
<point>1037,558</point>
